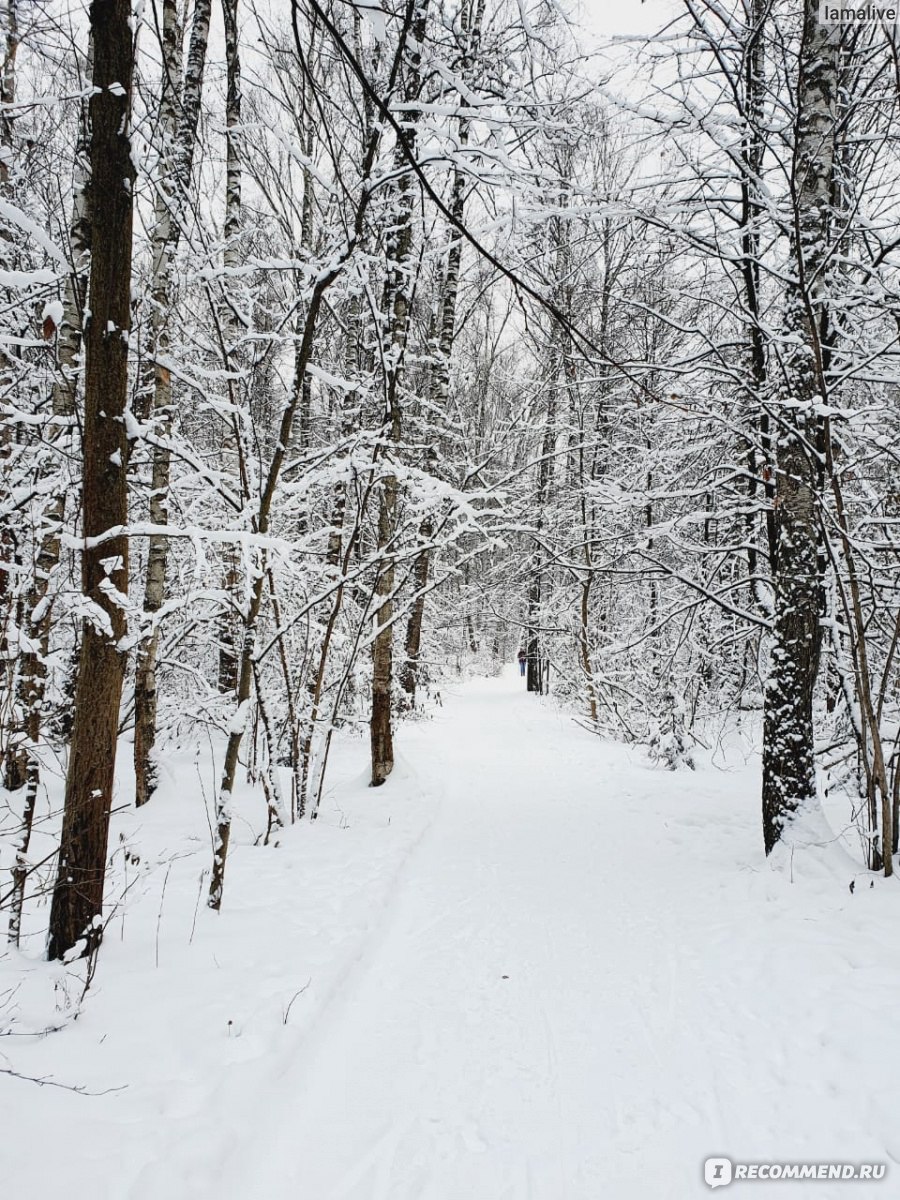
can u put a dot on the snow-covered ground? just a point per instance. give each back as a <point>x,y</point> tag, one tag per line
<point>530,966</point>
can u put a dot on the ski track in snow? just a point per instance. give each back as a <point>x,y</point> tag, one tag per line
<point>557,974</point>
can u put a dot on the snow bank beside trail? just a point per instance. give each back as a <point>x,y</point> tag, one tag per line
<point>192,1015</point>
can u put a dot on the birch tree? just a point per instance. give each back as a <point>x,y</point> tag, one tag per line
<point>179,112</point>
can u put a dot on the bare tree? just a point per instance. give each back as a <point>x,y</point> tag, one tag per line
<point>789,775</point>
<point>179,112</point>
<point>39,604</point>
<point>75,915</point>
<point>396,306</point>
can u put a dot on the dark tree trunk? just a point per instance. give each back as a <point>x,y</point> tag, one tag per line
<point>76,910</point>
<point>535,678</point>
<point>396,305</point>
<point>380,725</point>
<point>409,676</point>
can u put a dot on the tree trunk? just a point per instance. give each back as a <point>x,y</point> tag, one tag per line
<point>471,31</point>
<point>752,160</point>
<point>789,779</point>
<point>14,762</point>
<point>397,303</point>
<point>39,603</point>
<point>337,557</point>
<point>8,86</point>
<point>409,676</point>
<point>380,724</point>
<point>178,116</point>
<point>536,670</point>
<point>229,636</point>
<point>584,644</point>
<point>76,910</point>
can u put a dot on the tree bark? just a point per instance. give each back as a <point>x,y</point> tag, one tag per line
<point>77,905</point>
<point>536,673</point>
<point>39,603</point>
<point>178,117</point>
<point>397,305</point>
<point>8,86</point>
<point>229,636</point>
<point>789,778</point>
<point>470,26</point>
<point>752,158</point>
<point>13,766</point>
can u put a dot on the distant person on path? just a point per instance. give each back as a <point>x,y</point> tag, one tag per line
<point>523,658</point>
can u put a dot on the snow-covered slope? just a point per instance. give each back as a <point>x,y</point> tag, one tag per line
<point>530,966</point>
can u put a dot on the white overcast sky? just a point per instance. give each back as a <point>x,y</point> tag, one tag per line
<point>615,18</point>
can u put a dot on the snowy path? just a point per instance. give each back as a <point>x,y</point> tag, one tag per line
<point>531,967</point>
<point>565,1003</point>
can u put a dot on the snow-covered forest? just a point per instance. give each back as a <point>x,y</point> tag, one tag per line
<point>496,405</point>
